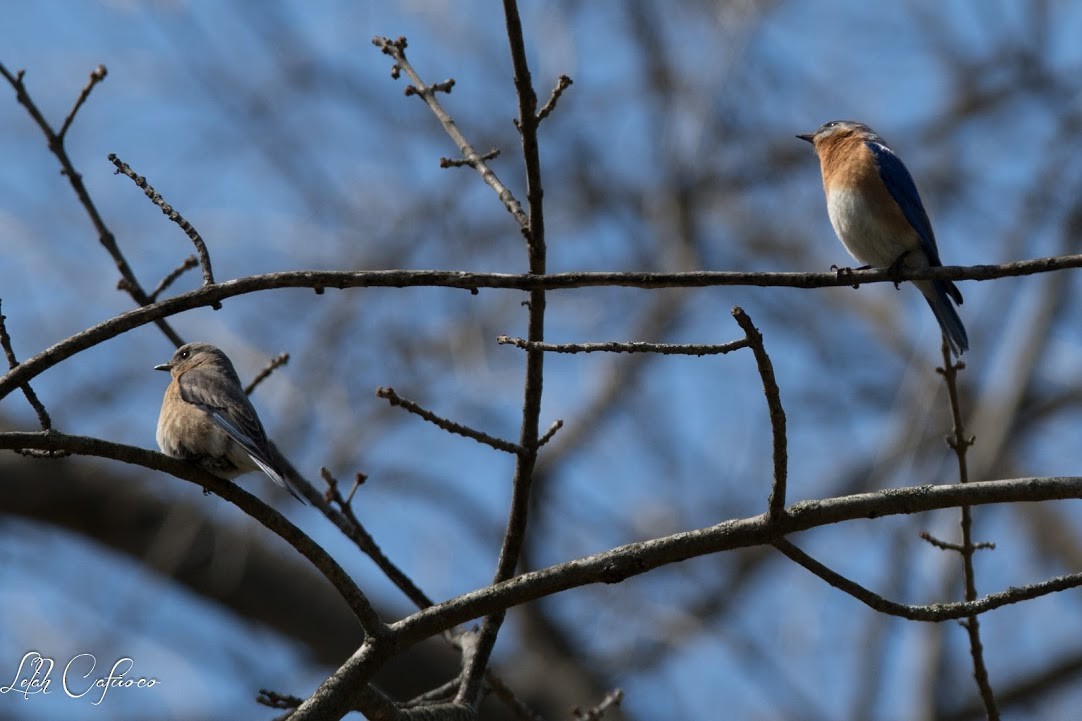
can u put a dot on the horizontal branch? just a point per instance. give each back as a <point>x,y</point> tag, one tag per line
<point>617,347</point>
<point>320,280</point>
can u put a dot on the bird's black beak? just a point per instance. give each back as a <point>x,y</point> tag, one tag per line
<point>810,137</point>
<point>163,367</point>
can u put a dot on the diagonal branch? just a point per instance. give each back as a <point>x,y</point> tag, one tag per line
<point>272,365</point>
<point>633,559</point>
<point>250,504</point>
<point>930,612</point>
<point>96,76</point>
<point>31,397</point>
<point>55,141</point>
<point>562,84</point>
<point>171,213</point>
<point>397,50</point>
<point>499,444</point>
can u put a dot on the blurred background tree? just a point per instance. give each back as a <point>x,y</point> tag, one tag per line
<point>275,129</point>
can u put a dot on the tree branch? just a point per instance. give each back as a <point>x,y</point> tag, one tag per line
<point>250,504</point>
<point>320,280</point>
<point>55,141</point>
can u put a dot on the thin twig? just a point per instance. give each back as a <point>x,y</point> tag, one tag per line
<point>617,347</point>
<point>934,612</point>
<point>445,87</point>
<point>189,263</point>
<point>96,76</point>
<point>776,502</point>
<point>463,163</point>
<point>562,84</point>
<point>273,699</point>
<point>31,397</point>
<point>499,444</point>
<point>611,700</point>
<point>556,425</point>
<point>171,213</point>
<point>346,520</point>
<point>396,49</point>
<point>948,546</point>
<point>960,444</point>
<point>105,236</point>
<point>273,364</point>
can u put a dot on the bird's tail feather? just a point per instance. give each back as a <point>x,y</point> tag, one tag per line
<point>935,292</point>
<point>275,475</point>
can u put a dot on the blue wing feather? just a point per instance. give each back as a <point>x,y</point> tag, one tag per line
<point>901,187</point>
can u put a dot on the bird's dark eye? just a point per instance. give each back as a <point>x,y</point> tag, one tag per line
<point>831,124</point>
<point>185,353</point>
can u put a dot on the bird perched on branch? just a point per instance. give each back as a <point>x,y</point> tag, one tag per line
<point>877,213</point>
<point>207,418</point>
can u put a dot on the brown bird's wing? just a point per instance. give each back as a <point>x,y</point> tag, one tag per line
<point>220,396</point>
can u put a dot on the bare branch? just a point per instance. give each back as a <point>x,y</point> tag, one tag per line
<point>319,280</point>
<point>776,502</point>
<point>105,236</point>
<point>633,559</point>
<point>171,213</point>
<point>947,546</point>
<point>961,444</point>
<point>397,50</point>
<point>499,444</point>
<point>347,522</point>
<point>189,263</point>
<point>275,363</point>
<point>562,84</point>
<point>536,251</point>
<point>556,426</point>
<point>450,163</point>
<point>96,76</point>
<point>253,506</point>
<point>611,700</point>
<point>31,397</point>
<point>634,347</point>
<point>616,564</point>
<point>273,699</point>
<point>935,612</point>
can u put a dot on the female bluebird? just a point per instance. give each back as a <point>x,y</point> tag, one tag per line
<point>876,211</point>
<point>206,417</point>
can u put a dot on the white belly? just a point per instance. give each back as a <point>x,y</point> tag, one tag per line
<point>867,238</point>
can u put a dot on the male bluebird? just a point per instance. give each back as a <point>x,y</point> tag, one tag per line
<point>876,211</point>
<point>207,418</point>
